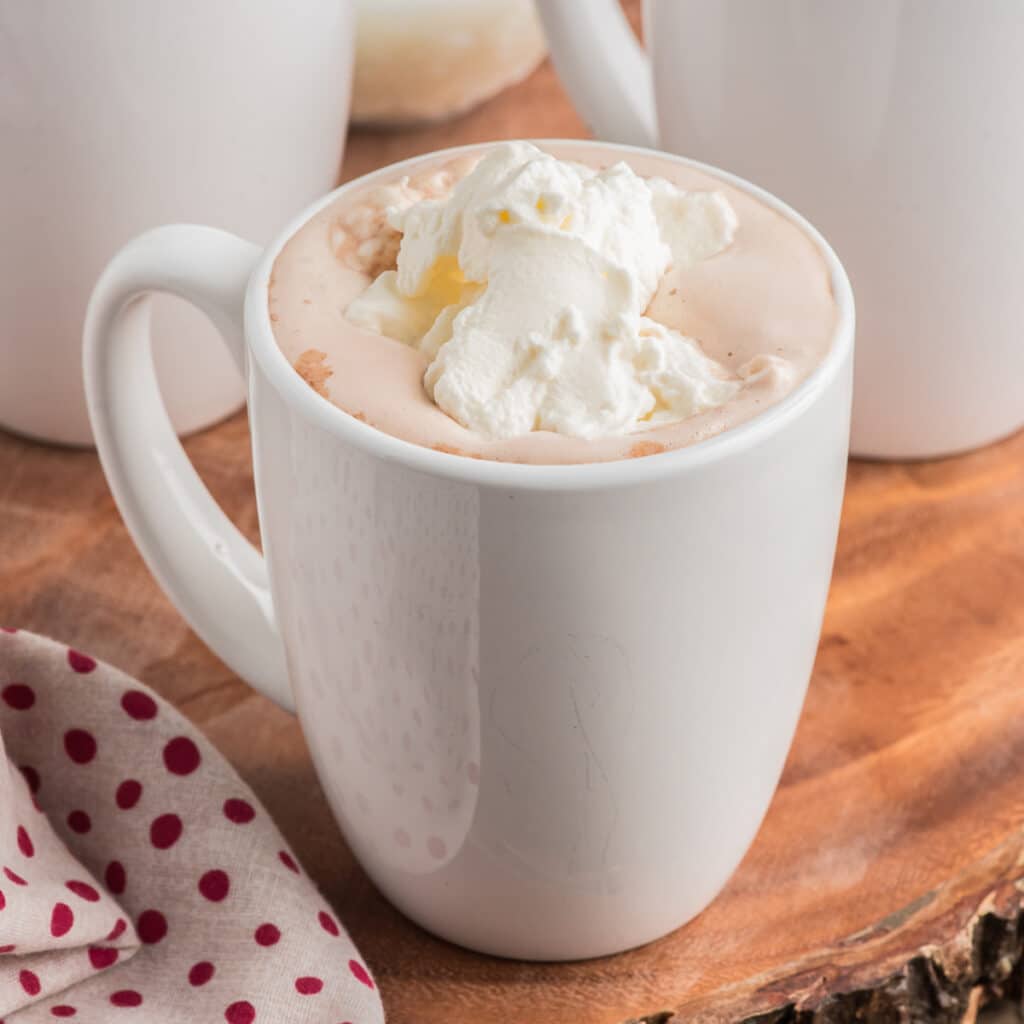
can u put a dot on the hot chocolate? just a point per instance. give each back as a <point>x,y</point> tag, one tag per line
<point>552,305</point>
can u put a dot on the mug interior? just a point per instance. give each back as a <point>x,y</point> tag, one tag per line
<point>264,349</point>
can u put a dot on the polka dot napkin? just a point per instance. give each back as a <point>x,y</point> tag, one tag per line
<point>140,880</point>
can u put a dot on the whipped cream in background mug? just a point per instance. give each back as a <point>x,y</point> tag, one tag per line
<point>894,125</point>
<point>548,704</point>
<point>428,60</point>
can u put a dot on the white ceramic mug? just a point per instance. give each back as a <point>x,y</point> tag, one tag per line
<point>548,704</point>
<point>894,125</point>
<point>115,116</point>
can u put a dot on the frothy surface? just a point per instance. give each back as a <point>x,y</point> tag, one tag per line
<point>765,302</point>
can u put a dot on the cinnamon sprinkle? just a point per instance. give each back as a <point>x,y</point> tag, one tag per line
<point>452,450</point>
<point>310,366</point>
<point>643,448</point>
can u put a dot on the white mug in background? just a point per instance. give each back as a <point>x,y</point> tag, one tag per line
<point>548,705</point>
<point>894,125</point>
<point>115,116</point>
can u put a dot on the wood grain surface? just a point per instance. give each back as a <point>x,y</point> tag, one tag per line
<point>887,881</point>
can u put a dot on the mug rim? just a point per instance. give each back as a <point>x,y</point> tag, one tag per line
<point>298,395</point>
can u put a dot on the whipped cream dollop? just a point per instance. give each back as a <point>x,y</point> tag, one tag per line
<point>526,288</point>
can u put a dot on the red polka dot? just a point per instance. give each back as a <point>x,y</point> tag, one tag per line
<point>214,885</point>
<point>80,822</point>
<point>327,922</point>
<point>115,878</point>
<point>118,930</point>
<point>181,756</point>
<point>151,926</point>
<point>18,696</point>
<point>308,986</point>
<point>31,777</point>
<point>61,920</point>
<point>267,934</point>
<point>360,973</point>
<point>102,956</point>
<point>25,842</point>
<point>239,811</point>
<point>80,662</point>
<point>165,831</point>
<point>138,705</point>
<point>84,890</point>
<point>80,745</point>
<point>128,793</point>
<point>63,1010</point>
<point>15,877</point>
<point>9,948</point>
<point>288,861</point>
<point>200,973</point>
<point>473,772</point>
<point>242,1012</point>
<point>8,629</point>
<point>436,847</point>
<point>3,900</point>
<point>126,997</point>
<point>30,983</point>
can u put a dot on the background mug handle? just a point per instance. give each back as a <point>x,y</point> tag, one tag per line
<point>215,577</point>
<point>603,68</point>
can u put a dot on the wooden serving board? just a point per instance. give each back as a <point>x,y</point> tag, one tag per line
<point>886,883</point>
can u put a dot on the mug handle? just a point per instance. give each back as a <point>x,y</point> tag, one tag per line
<point>603,68</point>
<point>217,579</point>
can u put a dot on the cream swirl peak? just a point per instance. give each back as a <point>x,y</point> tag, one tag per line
<point>526,289</point>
